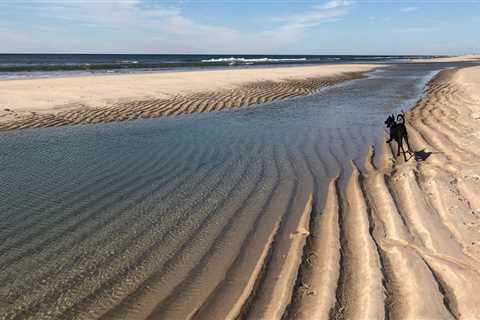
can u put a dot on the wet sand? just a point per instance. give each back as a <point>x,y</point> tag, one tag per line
<point>253,214</point>
<point>39,103</point>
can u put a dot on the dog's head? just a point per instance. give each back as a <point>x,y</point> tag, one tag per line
<point>390,121</point>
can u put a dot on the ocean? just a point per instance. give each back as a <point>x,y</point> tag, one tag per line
<point>18,66</point>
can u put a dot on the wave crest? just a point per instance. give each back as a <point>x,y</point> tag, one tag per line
<point>240,60</point>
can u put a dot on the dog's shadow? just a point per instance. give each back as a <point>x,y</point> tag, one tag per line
<point>422,155</point>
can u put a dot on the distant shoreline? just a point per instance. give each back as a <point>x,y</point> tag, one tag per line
<point>133,72</point>
<point>28,66</point>
<point>464,58</point>
<point>41,66</point>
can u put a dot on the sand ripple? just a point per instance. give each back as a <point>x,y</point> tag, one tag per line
<point>403,240</point>
<point>246,95</point>
<point>295,233</point>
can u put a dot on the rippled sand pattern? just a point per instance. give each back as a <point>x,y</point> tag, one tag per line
<point>139,238</point>
<point>246,95</point>
<point>402,242</point>
<point>255,214</point>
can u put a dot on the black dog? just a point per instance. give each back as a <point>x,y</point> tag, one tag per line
<point>398,132</point>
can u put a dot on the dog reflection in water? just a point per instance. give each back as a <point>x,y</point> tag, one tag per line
<point>398,132</point>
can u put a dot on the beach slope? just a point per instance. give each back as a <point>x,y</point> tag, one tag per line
<point>425,213</point>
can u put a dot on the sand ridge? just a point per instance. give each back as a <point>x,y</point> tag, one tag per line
<point>245,95</point>
<point>441,217</point>
<point>406,244</point>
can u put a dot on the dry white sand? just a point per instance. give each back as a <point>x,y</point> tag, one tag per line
<point>54,94</point>
<point>469,78</point>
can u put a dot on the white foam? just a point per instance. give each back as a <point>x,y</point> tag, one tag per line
<point>233,60</point>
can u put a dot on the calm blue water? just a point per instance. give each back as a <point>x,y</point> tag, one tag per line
<point>48,65</point>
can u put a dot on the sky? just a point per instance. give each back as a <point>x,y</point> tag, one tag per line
<point>240,26</point>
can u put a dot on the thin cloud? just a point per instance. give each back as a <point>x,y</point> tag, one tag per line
<point>377,19</point>
<point>409,9</point>
<point>328,12</point>
<point>417,30</point>
<point>332,4</point>
<point>165,28</point>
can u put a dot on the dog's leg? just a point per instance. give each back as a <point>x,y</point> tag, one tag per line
<point>410,151</point>
<point>400,147</point>
<point>404,152</point>
<point>399,144</point>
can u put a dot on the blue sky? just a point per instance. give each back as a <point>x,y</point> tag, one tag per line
<point>240,26</point>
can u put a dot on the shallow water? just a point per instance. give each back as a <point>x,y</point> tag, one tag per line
<point>156,216</point>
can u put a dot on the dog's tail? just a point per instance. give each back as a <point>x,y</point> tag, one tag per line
<point>401,116</point>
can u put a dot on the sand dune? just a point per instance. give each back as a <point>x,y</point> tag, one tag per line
<point>55,102</point>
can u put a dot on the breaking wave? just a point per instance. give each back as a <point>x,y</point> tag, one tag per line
<point>252,60</point>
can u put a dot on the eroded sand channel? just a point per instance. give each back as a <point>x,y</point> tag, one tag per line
<point>196,216</point>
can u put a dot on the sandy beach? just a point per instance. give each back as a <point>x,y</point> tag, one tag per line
<point>408,242</point>
<point>237,160</point>
<point>34,103</point>
<point>279,212</point>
